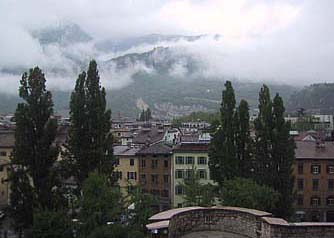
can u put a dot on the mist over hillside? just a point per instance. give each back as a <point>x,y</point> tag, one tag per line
<point>172,74</point>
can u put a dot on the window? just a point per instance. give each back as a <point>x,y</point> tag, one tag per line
<point>179,205</point>
<point>179,160</point>
<point>117,162</point>
<point>155,192</point>
<point>118,175</point>
<point>179,174</point>
<point>315,201</point>
<point>154,164</point>
<point>166,163</point>
<point>178,190</point>
<point>330,184</point>
<point>166,178</point>
<point>315,169</point>
<point>201,160</point>
<point>190,160</point>
<point>132,162</point>
<point>300,200</point>
<point>143,178</point>
<point>1,168</point>
<point>3,153</point>
<point>132,175</point>
<point>189,173</point>
<point>154,178</point>
<point>131,188</point>
<point>330,201</point>
<point>330,169</point>
<point>202,174</point>
<point>143,163</point>
<point>315,184</point>
<point>300,168</point>
<point>300,184</point>
<point>165,193</point>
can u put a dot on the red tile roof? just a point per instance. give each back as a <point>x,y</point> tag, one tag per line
<point>192,147</point>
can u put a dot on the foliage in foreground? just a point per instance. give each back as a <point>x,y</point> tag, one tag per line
<point>242,192</point>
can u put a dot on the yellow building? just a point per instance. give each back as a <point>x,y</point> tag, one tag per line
<point>186,158</point>
<point>126,167</point>
<point>7,141</point>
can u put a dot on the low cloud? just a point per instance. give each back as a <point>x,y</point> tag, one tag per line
<point>288,41</point>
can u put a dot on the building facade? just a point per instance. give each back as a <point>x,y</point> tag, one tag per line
<point>186,158</point>
<point>155,173</point>
<point>126,169</point>
<point>314,181</point>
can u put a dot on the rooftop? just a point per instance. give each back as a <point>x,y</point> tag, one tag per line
<point>310,150</point>
<point>192,147</point>
<point>157,148</point>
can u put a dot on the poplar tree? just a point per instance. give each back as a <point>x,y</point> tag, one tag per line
<point>222,152</point>
<point>283,154</point>
<point>274,152</point>
<point>90,141</point>
<point>244,140</point>
<point>263,139</point>
<point>33,177</point>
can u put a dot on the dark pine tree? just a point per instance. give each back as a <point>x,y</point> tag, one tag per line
<point>90,141</point>
<point>34,151</point>
<point>263,140</point>
<point>222,151</point>
<point>283,156</point>
<point>244,140</point>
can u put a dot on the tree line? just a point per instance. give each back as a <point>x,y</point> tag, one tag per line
<point>42,202</point>
<point>263,161</point>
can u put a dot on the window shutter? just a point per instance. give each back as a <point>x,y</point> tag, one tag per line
<point>128,175</point>
<point>319,169</point>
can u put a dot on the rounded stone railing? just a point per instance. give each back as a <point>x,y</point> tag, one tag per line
<point>244,222</point>
<point>241,221</point>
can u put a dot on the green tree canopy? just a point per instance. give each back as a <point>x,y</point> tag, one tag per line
<point>242,192</point>
<point>99,204</point>
<point>89,140</point>
<point>197,193</point>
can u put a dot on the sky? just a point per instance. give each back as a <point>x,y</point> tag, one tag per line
<point>284,41</point>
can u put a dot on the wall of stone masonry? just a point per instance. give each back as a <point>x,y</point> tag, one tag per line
<point>248,224</point>
<point>299,231</point>
<point>233,221</point>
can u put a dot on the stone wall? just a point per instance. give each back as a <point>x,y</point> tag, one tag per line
<point>245,222</point>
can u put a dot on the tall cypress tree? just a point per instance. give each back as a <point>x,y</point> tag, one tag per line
<point>90,142</point>
<point>263,141</point>
<point>222,151</point>
<point>244,140</point>
<point>34,151</point>
<point>283,154</point>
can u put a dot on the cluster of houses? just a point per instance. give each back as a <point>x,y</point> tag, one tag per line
<point>157,157</point>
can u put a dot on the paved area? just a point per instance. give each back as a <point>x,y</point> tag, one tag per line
<point>212,234</point>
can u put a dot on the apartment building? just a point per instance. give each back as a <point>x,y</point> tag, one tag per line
<point>314,181</point>
<point>126,168</point>
<point>7,141</point>
<point>155,173</point>
<point>188,156</point>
